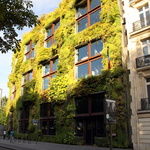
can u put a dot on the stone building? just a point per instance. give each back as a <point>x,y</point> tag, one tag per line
<point>136,49</point>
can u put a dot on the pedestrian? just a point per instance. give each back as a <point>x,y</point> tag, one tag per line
<point>4,135</point>
<point>11,136</point>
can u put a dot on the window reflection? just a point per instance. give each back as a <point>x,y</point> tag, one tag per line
<point>46,69</point>
<point>82,9</point>
<point>83,53</point>
<point>82,24</point>
<point>94,3</point>
<point>45,83</point>
<point>83,70</point>
<point>95,17</point>
<point>96,47</point>
<point>49,32</point>
<point>55,62</point>
<point>96,66</point>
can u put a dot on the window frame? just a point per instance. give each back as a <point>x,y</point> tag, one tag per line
<point>48,118</point>
<point>51,72</point>
<point>86,14</point>
<point>89,58</point>
<point>146,45</point>
<point>51,38</point>
<point>29,52</point>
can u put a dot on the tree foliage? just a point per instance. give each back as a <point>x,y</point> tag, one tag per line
<point>2,116</point>
<point>14,15</point>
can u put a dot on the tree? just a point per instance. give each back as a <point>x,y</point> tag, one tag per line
<point>3,101</point>
<point>14,15</point>
<point>2,116</point>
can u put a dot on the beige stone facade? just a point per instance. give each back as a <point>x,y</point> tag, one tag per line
<point>136,54</point>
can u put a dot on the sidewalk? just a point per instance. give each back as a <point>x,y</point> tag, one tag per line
<point>26,145</point>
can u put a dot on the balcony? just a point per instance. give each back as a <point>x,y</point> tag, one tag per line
<point>141,24</point>
<point>143,61</point>
<point>145,104</point>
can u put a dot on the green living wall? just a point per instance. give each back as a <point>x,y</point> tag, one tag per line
<point>63,87</point>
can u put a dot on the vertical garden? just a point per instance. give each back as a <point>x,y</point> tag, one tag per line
<point>64,86</point>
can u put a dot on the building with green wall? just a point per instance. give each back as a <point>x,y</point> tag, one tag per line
<point>61,76</point>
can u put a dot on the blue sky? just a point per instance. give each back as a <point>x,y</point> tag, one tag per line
<point>39,7</point>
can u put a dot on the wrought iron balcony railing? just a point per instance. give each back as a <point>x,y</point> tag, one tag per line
<point>143,61</point>
<point>141,23</point>
<point>145,104</point>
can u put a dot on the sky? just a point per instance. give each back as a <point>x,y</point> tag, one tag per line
<point>39,7</point>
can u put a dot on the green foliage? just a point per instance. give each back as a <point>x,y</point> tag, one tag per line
<point>3,117</point>
<point>14,15</point>
<point>63,87</point>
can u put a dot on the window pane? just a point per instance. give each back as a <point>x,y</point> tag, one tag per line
<point>82,9</point>
<point>45,83</point>
<point>96,47</point>
<point>95,17</point>
<point>46,69</point>
<point>81,105</point>
<point>44,127</point>
<point>94,3</point>
<point>97,102</point>
<point>145,50</point>
<point>78,127</point>
<point>96,67</point>
<point>49,32</point>
<point>30,76</point>
<point>82,70</point>
<point>83,53</point>
<point>32,54</point>
<point>82,24</point>
<point>148,90</point>
<point>28,48</point>
<point>43,110</point>
<point>57,25</point>
<point>54,67</point>
<point>49,43</point>
<point>52,129</point>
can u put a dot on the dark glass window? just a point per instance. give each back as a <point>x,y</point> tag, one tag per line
<point>89,59</point>
<point>52,128</point>
<point>44,110</point>
<point>24,120</point>
<point>97,103</point>
<point>79,127</point>
<point>81,105</point>
<point>47,119</point>
<point>87,13</point>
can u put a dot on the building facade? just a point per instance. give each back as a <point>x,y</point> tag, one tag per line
<point>61,76</point>
<point>137,48</point>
